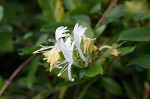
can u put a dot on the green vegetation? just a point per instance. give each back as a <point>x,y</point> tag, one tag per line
<point>120,72</point>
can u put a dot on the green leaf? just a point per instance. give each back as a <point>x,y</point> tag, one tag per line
<point>27,50</point>
<point>42,39</point>
<point>96,8</point>
<point>142,61</point>
<point>99,30</point>
<point>115,13</point>
<point>6,41</point>
<point>51,27</point>
<point>42,93</point>
<point>142,16</point>
<point>69,4</point>
<point>59,11</point>
<point>112,86</point>
<point>83,18</point>
<point>1,82</point>
<point>1,12</point>
<point>128,91</point>
<point>27,35</point>
<point>135,34</point>
<point>93,70</point>
<point>63,92</point>
<point>47,7</point>
<point>81,9</point>
<point>125,50</point>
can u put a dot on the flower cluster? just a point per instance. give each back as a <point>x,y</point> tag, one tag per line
<point>77,50</point>
<point>72,49</point>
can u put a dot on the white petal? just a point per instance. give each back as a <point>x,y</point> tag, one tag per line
<point>68,43</point>
<point>69,73</point>
<point>81,54</point>
<point>79,31</point>
<point>59,33</point>
<point>43,49</point>
<point>67,54</point>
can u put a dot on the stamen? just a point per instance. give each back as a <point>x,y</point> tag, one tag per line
<point>105,46</point>
<point>63,70</point>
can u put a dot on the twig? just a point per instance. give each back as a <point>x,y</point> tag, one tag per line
<point>15,73</point>
<point>111,5</point>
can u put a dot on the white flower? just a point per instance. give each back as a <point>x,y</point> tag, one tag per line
<point>78,34</point>
<point>67,50</point>
<point>60,32</point>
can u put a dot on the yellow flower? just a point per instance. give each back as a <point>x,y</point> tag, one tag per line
<point>114,52</point>
<point>52,56</point>
<point>88,45</point>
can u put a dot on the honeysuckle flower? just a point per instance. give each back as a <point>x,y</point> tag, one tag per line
<point>114,52</point>
<point>67,50</point>
<point>54,50</point>
<point>52,56</point>
<point>82,56</point>
<point>88,45</point>
<point>78,35</point>
<point>60,32</point>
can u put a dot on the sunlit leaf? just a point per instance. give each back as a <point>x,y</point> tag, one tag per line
<point>59,11</point>
<point>1,12</point>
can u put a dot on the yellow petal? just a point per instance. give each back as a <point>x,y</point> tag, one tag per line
<point>114,52</point>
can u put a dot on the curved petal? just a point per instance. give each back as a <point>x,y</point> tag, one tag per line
<point>69,73</point>
<point>59,33</point>
<point>66,52</point>
<point>43,49</point>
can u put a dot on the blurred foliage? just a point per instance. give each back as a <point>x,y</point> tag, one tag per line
<point>26,24</point>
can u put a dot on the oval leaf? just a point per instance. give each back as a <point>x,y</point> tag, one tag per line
<point>126,50</point>
<point>136,34</point>
<point>93,70</point>
<point>143,61</point>
<point>1,12</point>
